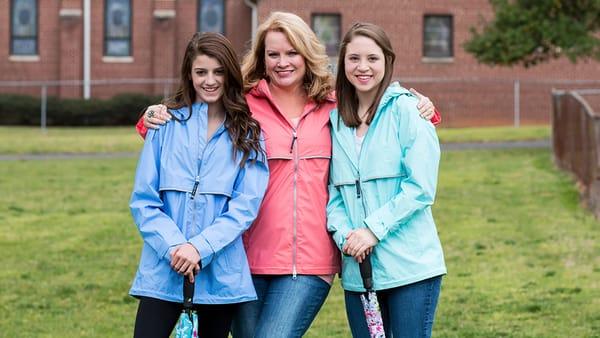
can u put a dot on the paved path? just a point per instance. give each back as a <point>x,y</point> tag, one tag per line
<point>496,145</point>
<point>65,156</point>
<point>445,147</point>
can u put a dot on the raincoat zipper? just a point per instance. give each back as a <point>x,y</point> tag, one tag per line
<point>294,150</point>
<point>295,230</point>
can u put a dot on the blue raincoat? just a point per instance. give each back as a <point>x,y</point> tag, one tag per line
<point>389,187</point>
<point>190,189</point>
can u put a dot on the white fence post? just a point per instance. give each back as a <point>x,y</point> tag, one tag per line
<point>517,104</point>
<point>166,90</point>
<point>44,103</point>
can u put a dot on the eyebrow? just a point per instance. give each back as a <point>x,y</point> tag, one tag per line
<point>285,51</point>
<point>201,68</point>
<point>356,54</point>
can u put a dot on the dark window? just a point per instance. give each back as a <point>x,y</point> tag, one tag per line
<point>437,36</point>
<point>327,28</point>
<point>117,28</point>
<point>24,27</point>
<point>211,16</point>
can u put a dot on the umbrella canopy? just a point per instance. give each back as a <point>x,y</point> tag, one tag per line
<point>370,302</point>
<point>187,326</point>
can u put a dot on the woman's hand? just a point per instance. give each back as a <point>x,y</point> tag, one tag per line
<point>359,243</point>
<point>155,116</point>
<point>185,259</point>
<point>425,106</point>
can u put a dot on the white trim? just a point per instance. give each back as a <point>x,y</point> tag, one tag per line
<point>163,14</point>
<point>254,23</point>
<point>117,59</point>
<point>70,13</point>
<point>87,49</point>
<point>427,59</point>
<point>24,58</point>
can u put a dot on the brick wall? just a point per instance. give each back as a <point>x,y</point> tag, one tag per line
<point>468,93</point>
<point>157,45</point>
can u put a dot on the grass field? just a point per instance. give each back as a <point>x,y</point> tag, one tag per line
<point>523,257</point>
<point>494,134</point>
<point>28,140</point>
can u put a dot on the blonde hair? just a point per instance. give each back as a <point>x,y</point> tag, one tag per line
<point>318,80</point>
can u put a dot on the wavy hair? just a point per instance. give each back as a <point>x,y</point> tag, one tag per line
<point>243,129</point>
<point>345,92</point>
<point>318,80</point>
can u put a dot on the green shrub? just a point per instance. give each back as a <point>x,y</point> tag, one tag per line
<point>122,109</point>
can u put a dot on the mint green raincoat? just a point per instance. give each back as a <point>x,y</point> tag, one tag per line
<point>389,187</point>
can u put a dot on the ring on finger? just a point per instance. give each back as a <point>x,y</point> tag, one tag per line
<point>150,114</point>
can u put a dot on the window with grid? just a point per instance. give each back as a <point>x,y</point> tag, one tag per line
<point>327,27</point>
<point>437,36</point>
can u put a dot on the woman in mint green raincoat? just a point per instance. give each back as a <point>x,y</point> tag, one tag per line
<point>383,180</point>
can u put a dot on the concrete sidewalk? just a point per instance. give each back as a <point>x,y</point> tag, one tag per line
<point>445,147</point>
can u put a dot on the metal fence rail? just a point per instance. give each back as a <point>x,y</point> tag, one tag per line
<point>467,101</point>
<point>576,141</point>
<point>167,85</point>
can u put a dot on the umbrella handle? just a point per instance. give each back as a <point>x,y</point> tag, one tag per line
<point>366,273</point>
<point>188,293</point>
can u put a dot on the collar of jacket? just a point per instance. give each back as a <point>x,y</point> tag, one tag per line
<point>261,90</point>
<point>346,135</point>
<point>199,112</point>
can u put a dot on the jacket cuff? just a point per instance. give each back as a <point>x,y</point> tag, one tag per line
<point>377,227</point>
<point>339,237</point>
<point>139,127</point>
<point>204,249</point>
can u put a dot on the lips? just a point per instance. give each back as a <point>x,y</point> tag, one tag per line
<point>284,73</point>
<point>210,89</point>
<point>364,78</point>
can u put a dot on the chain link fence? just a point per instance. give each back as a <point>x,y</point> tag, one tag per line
<point>464,102</point>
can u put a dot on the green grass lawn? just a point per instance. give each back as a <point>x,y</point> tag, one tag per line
<point>28,140</point>
<point>493,134</point>
<point>523,257</point>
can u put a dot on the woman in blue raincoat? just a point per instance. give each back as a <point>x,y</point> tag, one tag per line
<point>383,179</point>
<point>198,186</point>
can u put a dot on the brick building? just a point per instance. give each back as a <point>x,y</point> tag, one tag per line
<point>46,40</point>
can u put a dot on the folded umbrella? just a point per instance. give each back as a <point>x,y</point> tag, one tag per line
<point>370,302</point>
<point>187,326</point>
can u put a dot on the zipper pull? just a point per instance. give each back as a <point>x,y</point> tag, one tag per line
<point>293,141</point>
<point>195,187</point>
<point>357,188</point>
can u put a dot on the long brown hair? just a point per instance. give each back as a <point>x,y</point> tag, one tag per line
<point>347,100</point>
<point>318,80</point>
<point>242,128</point>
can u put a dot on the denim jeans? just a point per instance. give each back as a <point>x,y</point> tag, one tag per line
<point>285,307</point>
<point>407,311</point>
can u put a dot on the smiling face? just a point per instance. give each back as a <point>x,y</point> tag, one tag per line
<point>364,64</point>
<point>208,77</point>
<point>284,65</point>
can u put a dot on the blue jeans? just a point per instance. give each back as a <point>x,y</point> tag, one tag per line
<point>285,307</point>
<point>407,311</point>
